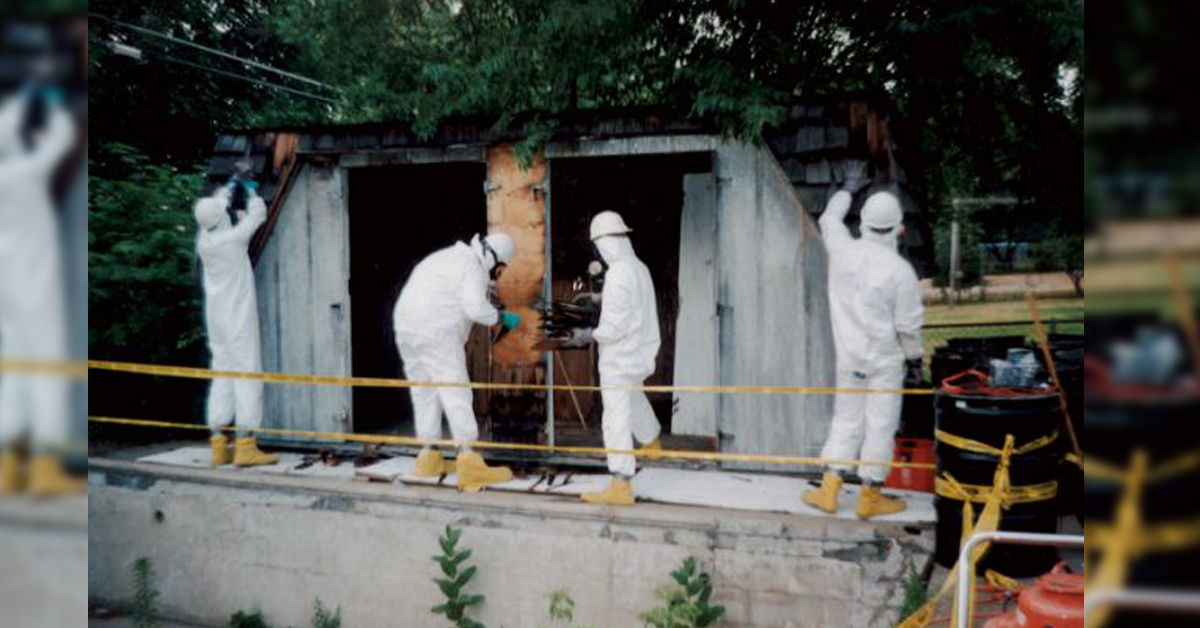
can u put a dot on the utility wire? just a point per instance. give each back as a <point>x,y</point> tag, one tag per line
<point>249,79</point>
<point>262,66</point>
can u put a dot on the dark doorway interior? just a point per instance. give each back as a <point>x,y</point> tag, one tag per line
<point>648,192</point>
<point>398,215</point>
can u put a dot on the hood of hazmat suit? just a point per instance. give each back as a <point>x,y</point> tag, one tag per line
<point>628,331</point>
<point>230,301</point>
<point>874,296</point>
<point>445,295</point>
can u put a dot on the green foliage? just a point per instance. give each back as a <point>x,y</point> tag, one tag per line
<point>456,578</point>
<point>145,595</point>
<point>242,619</point>
<point>916,592</point>
<point>562,609</point>
<point>686,601</point>
<point>971,259</point>
<point>323,618</point>
<point>141,241</point>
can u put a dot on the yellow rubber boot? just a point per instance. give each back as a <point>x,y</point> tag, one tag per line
<point>873,503</point>
<point>221,454</point>
<point>826,497</point>
<point>10,473</point>
<point>618,493</point>
<point>474,474</point>
<point>47,478</point>
<point>652,450</point>
<point>431,464</point>
<point>247,454</point>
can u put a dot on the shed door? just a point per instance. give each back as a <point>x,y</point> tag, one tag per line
<point>696,327</point>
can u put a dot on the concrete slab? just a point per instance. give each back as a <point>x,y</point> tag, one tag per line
<point>709,488</point>
<point>223,540</point>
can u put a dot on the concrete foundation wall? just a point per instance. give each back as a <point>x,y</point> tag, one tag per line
<point>222,542</point>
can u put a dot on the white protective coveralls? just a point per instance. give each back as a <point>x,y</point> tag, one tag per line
<point>876,311</point>
<point>444,296</point>
<point>32,298</point>
<point>231,313</point>
<point>628,338</point>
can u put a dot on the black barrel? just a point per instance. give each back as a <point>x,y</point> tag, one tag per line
<point>1068,352</point>
<point>1167,427</point>
<point>1161,420</point>
<point>988,419</point>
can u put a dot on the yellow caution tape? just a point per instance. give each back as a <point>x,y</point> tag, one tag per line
<point>591,451</point>
<point>975,446</point>
<point>1002,581</point>
<point>989,520</point>
<point>1023,494</point>
<point>1123,542</point>
<point>73,370</point>
<point>1095,470</point>
<point>376,382</point>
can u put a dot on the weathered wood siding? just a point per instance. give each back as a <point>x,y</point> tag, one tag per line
<point>774,315</point>
<point>304,304</point>
<point>696,356</point>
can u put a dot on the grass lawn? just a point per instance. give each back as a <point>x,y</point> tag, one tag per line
<point>997,311</point>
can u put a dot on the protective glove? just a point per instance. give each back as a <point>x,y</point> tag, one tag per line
<point>580,337</point>
<point>855,176</point>
<point>510,319</point>
<point>914,371</point>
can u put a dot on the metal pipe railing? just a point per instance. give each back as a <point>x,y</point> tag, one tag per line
<point>1144,599</point>
<point>966,569</point>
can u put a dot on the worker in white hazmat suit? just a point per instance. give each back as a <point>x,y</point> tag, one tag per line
<point>231,320</point>
<point>876,311</point>
<point>628,338</point>
<point>446,294</point>
<point>32,299</point>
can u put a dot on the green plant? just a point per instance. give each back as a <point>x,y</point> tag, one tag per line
<point>685,601</point>
<point>322,618</point>
<point>562,608</point>
<point>242,619</point>
<point>145,595</point>
<point>916,591</point>
<point>456,577</point>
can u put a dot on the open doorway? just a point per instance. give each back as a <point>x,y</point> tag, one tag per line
<point>398,215</point>
<point>648,191</point>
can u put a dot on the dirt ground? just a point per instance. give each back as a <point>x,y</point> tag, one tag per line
<point>1007,287</point>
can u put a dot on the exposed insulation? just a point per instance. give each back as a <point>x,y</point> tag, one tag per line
<point>516,206</point>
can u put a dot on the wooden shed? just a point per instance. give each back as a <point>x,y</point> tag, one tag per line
<point>735,254</point>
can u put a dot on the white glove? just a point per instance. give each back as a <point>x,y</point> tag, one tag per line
<point>854,172</point>
<point>580,337</point>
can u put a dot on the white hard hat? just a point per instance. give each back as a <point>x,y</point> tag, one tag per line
<point>882,211</point>
<point>608,223</point>
<point>503,246</point>
<point>209,211</point>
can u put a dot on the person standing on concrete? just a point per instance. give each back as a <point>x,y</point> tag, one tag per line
<point>444,297</point>
<point>231,321</point>
<point>876,311</point>
<point>628,337</point>
<point>33,310</point>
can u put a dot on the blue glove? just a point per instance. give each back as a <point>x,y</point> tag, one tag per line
<point>510,320</point>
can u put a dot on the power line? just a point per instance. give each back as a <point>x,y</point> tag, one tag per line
<point>248,79</point>
<point>262,66</point>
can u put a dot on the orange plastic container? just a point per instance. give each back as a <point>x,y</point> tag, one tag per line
<point>1056,601</point>
<point>912,450</point>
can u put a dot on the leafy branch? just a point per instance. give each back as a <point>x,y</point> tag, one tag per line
<point>686,601</point>
<point>456,578</point>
